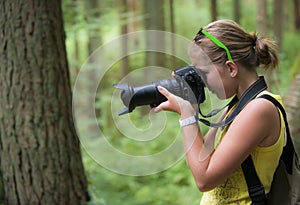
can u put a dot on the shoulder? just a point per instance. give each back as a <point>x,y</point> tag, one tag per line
<point>261,118</point>
<point>261,107</point>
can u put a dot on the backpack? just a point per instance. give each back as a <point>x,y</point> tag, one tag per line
<point>285,188</point>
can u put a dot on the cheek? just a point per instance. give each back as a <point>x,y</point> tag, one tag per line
<point>216,85</point>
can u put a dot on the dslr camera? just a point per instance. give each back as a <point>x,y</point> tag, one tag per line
<point>186,84</point>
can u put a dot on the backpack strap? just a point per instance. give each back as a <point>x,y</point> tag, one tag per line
<point>288,149</point>
<point>255,188</point>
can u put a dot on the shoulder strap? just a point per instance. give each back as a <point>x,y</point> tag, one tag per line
<point>255,188</point>
<point>249,95</point>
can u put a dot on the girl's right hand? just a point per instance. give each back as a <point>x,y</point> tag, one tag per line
<point>174,104</point>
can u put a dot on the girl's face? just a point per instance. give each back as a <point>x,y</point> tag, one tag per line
<point>214,76</point>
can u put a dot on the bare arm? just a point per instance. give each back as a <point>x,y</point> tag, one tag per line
<point>248,130</point>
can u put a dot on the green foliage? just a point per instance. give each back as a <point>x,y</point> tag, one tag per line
<point>296,66</point>
<point>291,53</point>
<point>174,185</point>
<point>289,60</point>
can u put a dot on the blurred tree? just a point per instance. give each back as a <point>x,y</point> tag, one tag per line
<point>39,150</point>
<point>236,10</point>
<point>93,15</point>
<point>1,187</point>
<point>262,17</point>
<point>297,15</point>
<point>72,18</point>
<point>292,105</point>
<point>124,41</point>
<point>278,19</point>
<point>262,30</point>
<point>213,10</point>
<point>172,30</point>
<point>93,19</point>
<point>154,20</point>
<point>133,8</point>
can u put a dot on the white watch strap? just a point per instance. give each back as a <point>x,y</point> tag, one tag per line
<point>188,121</point>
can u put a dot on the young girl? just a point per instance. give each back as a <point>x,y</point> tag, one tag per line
<point>226,56</point>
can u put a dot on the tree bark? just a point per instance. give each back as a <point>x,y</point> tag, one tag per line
<point>262,17</point>
<point>213,10</point>
<point>92,16</point>
<point>154,20</point>
<point>237,10</point>
<point>39,151</point>
<point>172,30</point>
<point>292,105</point>
<point>277,17</point>
<point>297,15</point>
<point>124,41</point>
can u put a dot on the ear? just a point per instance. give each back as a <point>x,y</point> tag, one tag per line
<point>232,68</point>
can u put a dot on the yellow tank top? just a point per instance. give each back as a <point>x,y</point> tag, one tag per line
<point>234,189</point>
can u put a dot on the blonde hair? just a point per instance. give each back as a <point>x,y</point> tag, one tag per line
<point>245,48</point>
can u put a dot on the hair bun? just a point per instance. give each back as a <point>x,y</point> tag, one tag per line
<point>266,51</point>
<point>254,39</point>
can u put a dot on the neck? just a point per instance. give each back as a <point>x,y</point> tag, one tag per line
<point>245,83</point>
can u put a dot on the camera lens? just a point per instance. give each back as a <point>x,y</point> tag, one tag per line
<point>186,84</point>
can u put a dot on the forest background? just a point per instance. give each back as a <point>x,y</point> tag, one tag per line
<point>90,25</point>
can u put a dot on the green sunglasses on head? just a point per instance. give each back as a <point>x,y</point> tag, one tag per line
<point>213,39</point>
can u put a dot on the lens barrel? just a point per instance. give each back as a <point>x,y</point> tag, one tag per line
<point>186,84</point>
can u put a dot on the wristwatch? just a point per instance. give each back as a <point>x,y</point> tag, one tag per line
<point>188,121</point>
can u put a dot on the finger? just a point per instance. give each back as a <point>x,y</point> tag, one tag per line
<point>163,91</point>
<point>160,107</point>
<point>157,109</point>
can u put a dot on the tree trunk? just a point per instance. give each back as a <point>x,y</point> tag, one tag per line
<point>292,102</point>
<point>39,151</point>
<point>277,19</point>
<point>92,16</point>
<point>262,17</point>
<point>213,10</point>
<point>154,20</point>
<point>172,30</point>
<point>72,8</point>
<point>262,30</point>
<point>297,15</point>
<point>124,41</point>
<point>237,10</point>
<point>292,106</point>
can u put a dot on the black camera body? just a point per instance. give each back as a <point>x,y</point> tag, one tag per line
<point>186,84</point>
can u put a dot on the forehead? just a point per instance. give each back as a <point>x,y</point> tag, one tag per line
<point>198,55</point>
